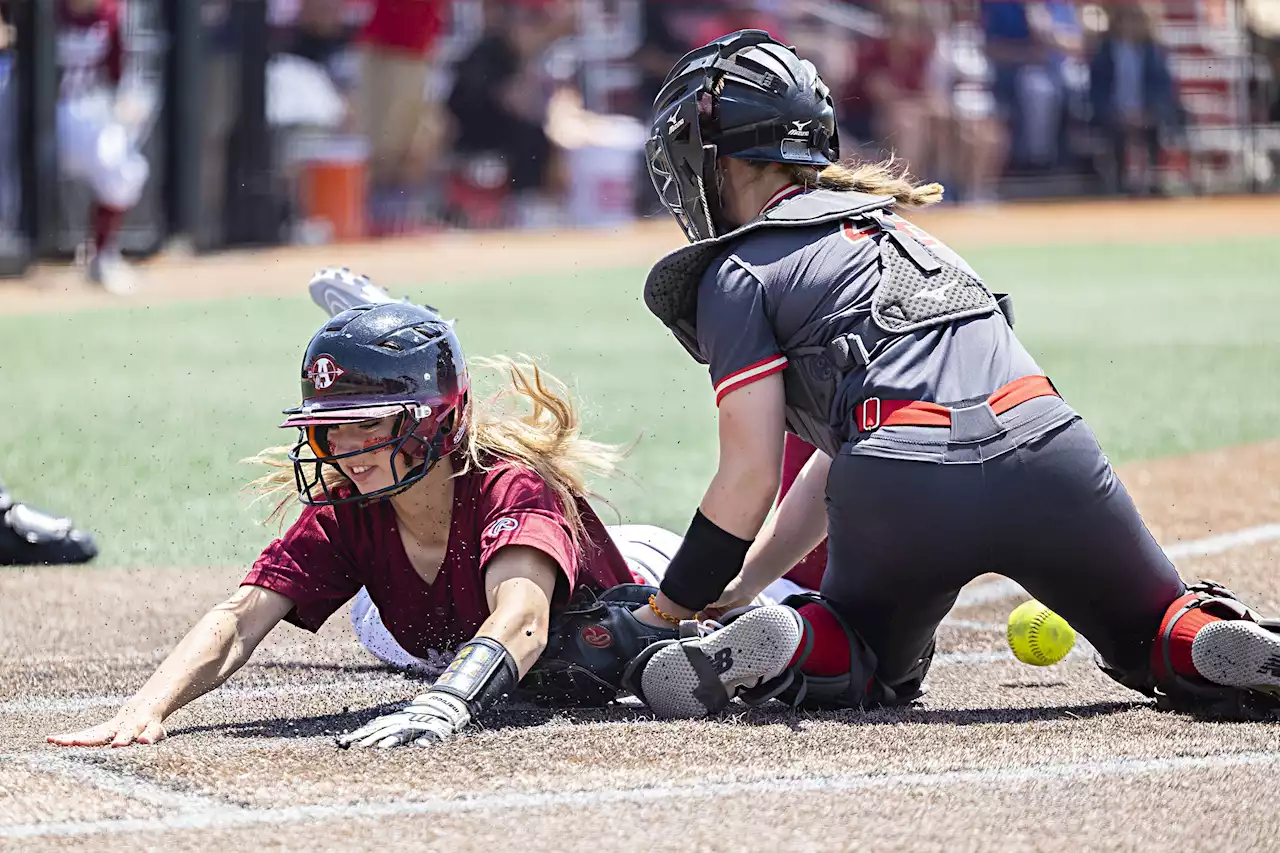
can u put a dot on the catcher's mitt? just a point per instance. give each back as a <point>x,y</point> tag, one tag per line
<point>589,645</point>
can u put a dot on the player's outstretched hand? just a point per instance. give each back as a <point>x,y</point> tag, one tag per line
<point>125,728</point>
<point>431,718</point>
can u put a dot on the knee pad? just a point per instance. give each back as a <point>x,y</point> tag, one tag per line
<point>857,688</point>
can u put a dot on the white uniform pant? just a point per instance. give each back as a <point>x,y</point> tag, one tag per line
<point>647,549</point>
<point>94,148</point>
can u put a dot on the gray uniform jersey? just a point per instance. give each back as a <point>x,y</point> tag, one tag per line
<point>782,289</point>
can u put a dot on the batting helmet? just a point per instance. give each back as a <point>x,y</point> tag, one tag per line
<point>744,95</point>
<point>372,362</point>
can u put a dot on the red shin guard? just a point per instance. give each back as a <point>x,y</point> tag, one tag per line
<point>1188,623</point>
<point>830,654</point>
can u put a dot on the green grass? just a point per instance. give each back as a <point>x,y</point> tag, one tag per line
<point>133,419</point>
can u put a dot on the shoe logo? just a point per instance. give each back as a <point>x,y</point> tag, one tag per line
<point>1271,666</point>
<point>722,661</point>
<point>937,294</point>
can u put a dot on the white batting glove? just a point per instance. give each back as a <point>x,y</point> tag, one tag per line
<point>429,719</point>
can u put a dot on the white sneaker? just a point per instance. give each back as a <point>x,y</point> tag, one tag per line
<point>337,289</point>
<point>1239,653</point>
<point>692,678</point>
<point>108,269</point>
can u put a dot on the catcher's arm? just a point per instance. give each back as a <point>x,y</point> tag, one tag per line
<point>219,644</point>
<point>519,584</point>
<point>794,530</point>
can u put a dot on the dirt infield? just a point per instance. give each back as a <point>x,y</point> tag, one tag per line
<point>461,257</point>
<point>996,755</point>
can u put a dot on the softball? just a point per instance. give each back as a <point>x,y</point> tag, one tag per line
<point>1039,636</point>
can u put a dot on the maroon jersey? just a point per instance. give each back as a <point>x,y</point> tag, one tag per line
<point>90,53</point>
<point>332,551</point>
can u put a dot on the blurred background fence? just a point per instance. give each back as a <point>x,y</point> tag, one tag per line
<point>271,122</point>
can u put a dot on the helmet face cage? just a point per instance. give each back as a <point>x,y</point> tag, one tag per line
<point>683,169</point>
<point>420,431</point>
<point>777,109</point>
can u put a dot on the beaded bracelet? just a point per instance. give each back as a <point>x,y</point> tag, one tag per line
<point>667,617</point>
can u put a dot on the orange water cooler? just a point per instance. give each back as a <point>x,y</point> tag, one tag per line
<point>333,188</point>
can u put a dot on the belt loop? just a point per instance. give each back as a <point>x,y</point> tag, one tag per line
<point>865,423</point>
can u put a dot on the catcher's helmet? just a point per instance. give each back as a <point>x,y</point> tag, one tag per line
<point>744,95</point>
<point>375,361</point>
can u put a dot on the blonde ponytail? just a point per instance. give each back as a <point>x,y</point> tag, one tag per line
<point>885,177</point>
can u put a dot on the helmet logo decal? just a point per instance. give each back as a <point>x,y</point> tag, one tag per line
<point>323,372</point>
<point>799,128</point>
<point>674,123</point>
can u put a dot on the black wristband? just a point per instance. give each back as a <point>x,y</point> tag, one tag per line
<point>707,560</point>
<point>481,673</point>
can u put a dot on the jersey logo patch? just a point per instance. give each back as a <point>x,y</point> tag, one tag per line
<point>597,636</point>
<point>503,524</point>
<point>323,372</point>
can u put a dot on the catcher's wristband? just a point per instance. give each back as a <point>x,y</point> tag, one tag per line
<point>707,560</point>
<point>482,672</point>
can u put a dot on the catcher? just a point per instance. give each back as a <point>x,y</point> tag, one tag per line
<point>943,451</point>
<point>465,523</point>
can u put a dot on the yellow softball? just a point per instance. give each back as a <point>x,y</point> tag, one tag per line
<point>1039,636</point>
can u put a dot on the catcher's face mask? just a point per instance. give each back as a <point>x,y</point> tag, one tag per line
<point>683,168</point>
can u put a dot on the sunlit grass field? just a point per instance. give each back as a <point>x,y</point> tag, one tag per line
<point>133,419</point>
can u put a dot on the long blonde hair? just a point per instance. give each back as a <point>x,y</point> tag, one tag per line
<point>546,439</point>
<point>886,177</point>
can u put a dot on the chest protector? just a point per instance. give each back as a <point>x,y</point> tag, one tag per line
<point>917,290</point>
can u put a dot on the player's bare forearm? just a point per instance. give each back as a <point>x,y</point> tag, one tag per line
<point>795,529</point>
<point>212,651</point>
<point>749,471</point>
<point>519,584</point>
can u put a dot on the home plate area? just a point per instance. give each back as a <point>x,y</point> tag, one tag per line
<point>997,753</point>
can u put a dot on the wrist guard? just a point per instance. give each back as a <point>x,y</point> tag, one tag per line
<point>482,672</point>
<point>707,560</point>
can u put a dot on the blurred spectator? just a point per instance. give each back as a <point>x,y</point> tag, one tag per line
<point>404,128</point>
<point>971,156</point>
<point>1263,21</point>
<point>894,101</point>
<point>1134,101</point>
<point>100,126</point>
<point>10,167</point>
<point>672,28</point>
<point>1033,46</point>
<point>501,93</point>
<point>221,42</point>
<point>322,35</point>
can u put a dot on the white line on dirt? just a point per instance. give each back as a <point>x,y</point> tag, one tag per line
<point>95,775</point>
<point>51,705</point>
<point>1002,588</point>
<point>502,803</point>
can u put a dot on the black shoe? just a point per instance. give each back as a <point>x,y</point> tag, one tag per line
<point>29,536</point>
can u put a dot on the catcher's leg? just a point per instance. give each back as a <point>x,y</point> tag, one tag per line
<point>1076,542</point>
<point>1070,534</point>
<point>868,639</point>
